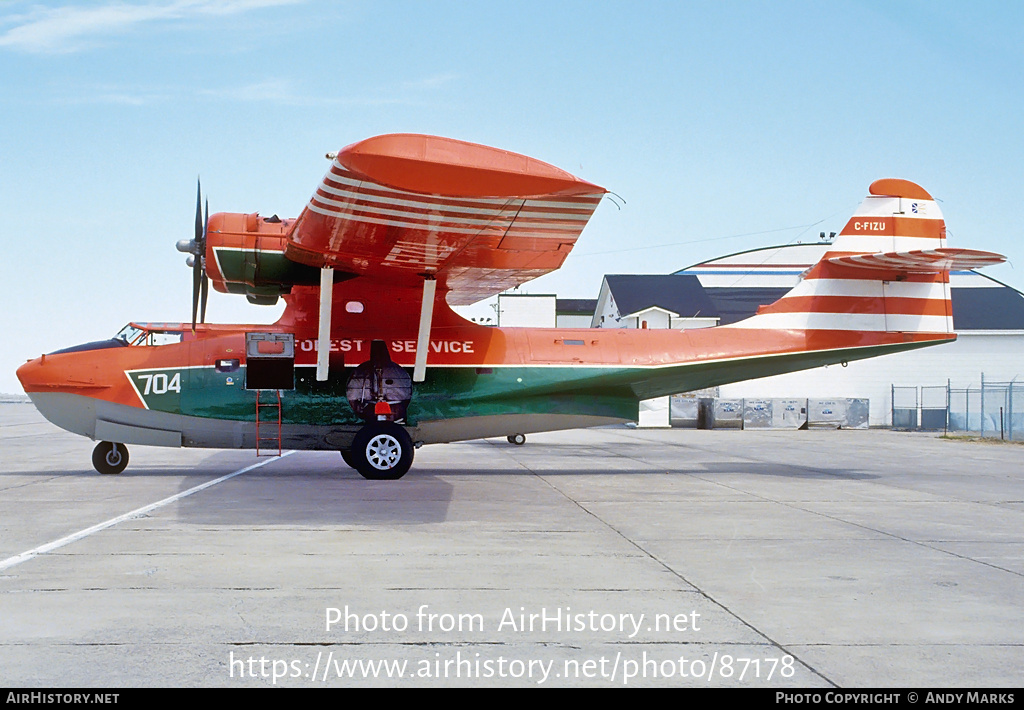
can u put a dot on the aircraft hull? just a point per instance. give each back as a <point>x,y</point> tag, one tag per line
<point>211,408</point>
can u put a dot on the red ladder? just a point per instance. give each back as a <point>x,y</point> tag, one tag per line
<point>269,415</point>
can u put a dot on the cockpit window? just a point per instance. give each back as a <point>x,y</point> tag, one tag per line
<point>132,335</point>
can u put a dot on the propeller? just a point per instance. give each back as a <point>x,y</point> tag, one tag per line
<point>196,249</point>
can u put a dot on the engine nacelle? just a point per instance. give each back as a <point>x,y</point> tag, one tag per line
<point>245,255</point>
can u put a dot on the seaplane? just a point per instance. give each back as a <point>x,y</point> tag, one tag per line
<point>369,358</point>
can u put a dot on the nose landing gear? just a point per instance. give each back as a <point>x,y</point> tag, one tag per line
<point>110,458</point>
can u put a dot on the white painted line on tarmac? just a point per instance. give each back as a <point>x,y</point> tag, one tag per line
<point>137,513</point>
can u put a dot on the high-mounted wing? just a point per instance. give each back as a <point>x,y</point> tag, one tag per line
<point>477,219</point>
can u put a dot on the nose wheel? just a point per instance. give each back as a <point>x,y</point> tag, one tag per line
<point>517,439</point>
<point>110,458</point>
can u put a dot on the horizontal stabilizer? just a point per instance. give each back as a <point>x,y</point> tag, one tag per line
<point>922,261</point>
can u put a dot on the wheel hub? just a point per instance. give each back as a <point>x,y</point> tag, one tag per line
<point>383,452</point>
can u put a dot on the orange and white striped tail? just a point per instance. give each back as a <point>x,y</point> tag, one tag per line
<point>887,271</point>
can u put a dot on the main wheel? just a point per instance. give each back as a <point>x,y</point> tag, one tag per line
<point>109,458</point>
<point>382,451</point>
<point>517,439</point>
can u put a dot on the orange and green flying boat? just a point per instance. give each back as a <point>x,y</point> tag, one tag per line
<point>370,360</point>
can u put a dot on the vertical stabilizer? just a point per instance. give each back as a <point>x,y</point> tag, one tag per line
<point>887,271</point>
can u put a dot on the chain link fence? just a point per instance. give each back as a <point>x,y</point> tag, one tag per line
<point>994,409</point>
<point>904,408</point>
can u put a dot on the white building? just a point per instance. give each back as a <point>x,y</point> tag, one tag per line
<point>675,301</point>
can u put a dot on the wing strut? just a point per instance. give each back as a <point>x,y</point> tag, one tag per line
<point>419,372</point>
<point>323,343</point>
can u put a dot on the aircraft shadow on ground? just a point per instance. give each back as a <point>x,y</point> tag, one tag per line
<point>323,491</point>
<point>327,492</point>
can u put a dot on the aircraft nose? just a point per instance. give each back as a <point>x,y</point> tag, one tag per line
<point>48,373</point>
<point>60,372</point>
<point>57,395</point>
<point>31,375</point>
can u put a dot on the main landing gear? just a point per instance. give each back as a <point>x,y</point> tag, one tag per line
<point>517,439</point>
<point>381,451</point>
<point>110,458</point>
<point>379,392</point>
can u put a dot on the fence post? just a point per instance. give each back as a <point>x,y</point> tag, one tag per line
<point>945,426</point>
<point>1010,407</point>
<point>983,405</point>
<point>967,409</point>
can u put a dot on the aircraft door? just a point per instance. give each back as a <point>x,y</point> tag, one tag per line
<point>270,361</point>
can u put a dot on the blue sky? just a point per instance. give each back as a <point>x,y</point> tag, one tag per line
<point>723,125</point>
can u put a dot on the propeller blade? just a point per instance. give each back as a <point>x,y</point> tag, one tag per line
<point>197,259</point>
<point>197,273</point>
<point>200,225</point>
<point>205,290</point>
<point>202,299</point>
<point>198,247</point>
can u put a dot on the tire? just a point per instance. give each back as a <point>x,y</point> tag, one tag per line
<point>382,451</point>
<point>349,458</point>
<point>109,458</point>
<point>517,439</point>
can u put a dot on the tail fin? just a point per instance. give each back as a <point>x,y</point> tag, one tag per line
<point>887,271</point>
